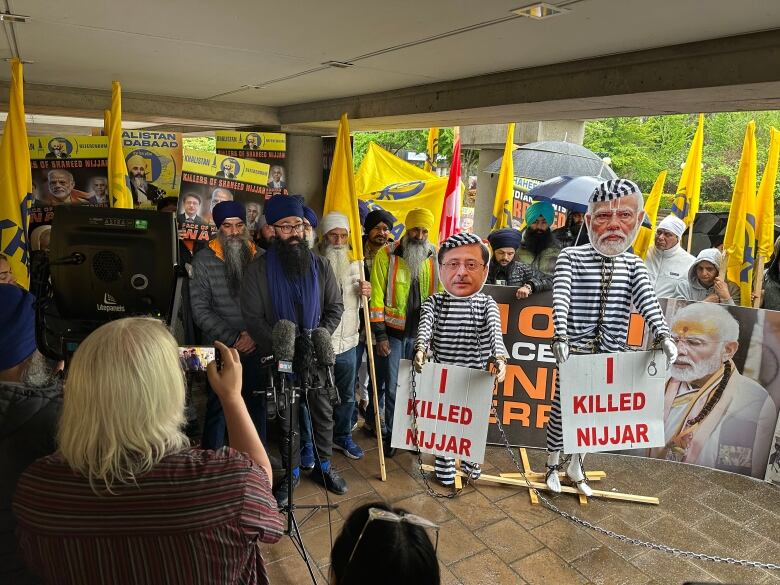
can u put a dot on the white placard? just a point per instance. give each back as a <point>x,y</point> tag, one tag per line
<point>453,410</point>
<point>612,401</point>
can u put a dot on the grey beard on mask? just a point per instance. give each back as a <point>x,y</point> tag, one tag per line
<point>415,253</point>
<point>40,371</point>
<point>339,260</point>
<point>237,255</point>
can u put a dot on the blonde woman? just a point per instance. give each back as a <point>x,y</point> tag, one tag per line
<point>125,499</point>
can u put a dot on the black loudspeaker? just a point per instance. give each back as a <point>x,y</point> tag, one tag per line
<point>108,263</point>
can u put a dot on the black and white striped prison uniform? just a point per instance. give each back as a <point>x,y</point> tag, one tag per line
<point>576,306</point>
<point>460,332</point>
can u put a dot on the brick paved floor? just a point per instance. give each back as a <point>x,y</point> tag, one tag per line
<point>492,535</point>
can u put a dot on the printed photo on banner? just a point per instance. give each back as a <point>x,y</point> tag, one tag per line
<point>154,165</point>
<point>208,179</point>
<point>773,465</point>
<point>452,407</point>
<point>722,394</point>
<point>265,147</point>
<point>522,202</point>
<point>67,170</point>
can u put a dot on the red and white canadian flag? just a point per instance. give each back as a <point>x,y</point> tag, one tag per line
<point>450,213</point>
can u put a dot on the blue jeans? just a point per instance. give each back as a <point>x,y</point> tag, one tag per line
<point>387,378</point>
<point>345,372</point>
<point>214,422</point>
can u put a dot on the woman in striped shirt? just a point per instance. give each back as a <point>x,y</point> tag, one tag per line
<point>461,327</point>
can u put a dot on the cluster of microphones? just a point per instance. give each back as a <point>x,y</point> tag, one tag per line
<point>301,363</point>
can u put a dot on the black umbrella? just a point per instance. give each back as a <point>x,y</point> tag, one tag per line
<point>545,160</point>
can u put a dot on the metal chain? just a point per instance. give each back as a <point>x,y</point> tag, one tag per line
<point>621,537</point>
<point>431,492</point>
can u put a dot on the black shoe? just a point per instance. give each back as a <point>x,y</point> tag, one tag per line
<point>331,480</point>
<point>388,450</point>
<point>281,494</point>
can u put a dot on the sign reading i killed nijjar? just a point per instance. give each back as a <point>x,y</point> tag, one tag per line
<point>453,409</point>
<point>612,401</point>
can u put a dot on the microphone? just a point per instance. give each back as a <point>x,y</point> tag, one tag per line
<point>283,344</point>
<point>326,358</point>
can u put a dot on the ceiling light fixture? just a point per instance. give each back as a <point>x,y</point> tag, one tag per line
<point>339,64</point>
<point>7,17</point>
<point>539,11</point>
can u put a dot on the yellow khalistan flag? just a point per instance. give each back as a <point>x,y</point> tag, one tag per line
<point>765,200</point>
<point>505,190</point>
<point>645,236</point>
<point>15,182</point>
<point>740,240</point>
<point>118,181</point>
<point>340,195</point>
<point>686,199</point>
<point>432,150</point>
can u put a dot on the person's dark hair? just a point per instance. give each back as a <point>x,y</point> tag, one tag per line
<point>166,201</point>
<point>485,253</point>
<point>194,196</point>
<point>407,554</point>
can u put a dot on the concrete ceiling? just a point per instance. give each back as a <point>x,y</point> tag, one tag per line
<point>187,58</point>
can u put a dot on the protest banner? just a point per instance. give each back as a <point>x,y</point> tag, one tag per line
<point>209,178</point>
<point>453,407</point>
<point>67,170</point>
<point>154,165</point>
<point>612,401</point>
<point>266,147</point>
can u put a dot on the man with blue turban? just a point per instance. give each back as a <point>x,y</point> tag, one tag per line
<point>539,248</point>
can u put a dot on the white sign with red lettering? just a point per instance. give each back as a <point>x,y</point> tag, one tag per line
<point>612,401</point>
<point>453,410</point>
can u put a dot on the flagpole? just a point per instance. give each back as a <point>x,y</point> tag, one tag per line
<point>758,282</point>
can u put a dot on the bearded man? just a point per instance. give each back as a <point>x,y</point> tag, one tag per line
<point>539,248</point>
<point>335,247</point>
<point>713,415</point>
<point>217,274</point>
<point>143,191</point>
<point>61,190</point>
<point>290,283</point>
<point>573,233</point>
<point>403,275</point>
<point>506,270</point>
<point>667,262</point>
<point>594,289</point>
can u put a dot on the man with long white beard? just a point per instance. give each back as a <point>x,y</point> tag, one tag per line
<point>594,289</point>
<point>713,415</point>
<point>217,275</point>
<point>403,275</point>
<point>289,282</point>
<point>335,247</point>
<point>143,191</point>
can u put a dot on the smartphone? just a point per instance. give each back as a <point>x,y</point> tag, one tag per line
<point>194,358</point>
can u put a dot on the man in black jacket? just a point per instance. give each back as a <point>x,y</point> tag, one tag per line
<point>217,274</point>
<point>30,404</point>
<point>506,270</point>
<point>291,283</point>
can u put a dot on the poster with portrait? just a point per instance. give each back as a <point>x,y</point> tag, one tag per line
<point>208,179</point>
<point>66,170</point>
<point>154,165</point>
<point>265,147</point>
<point>773,465</point>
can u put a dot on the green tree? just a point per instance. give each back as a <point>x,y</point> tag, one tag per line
<point>205,143</point>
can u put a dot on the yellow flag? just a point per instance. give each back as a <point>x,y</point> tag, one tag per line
<point>340,195</point>
<point>15,182</point>
<point>740,240</point>
<point>505,190</point>
<point>432,150</point>
<point>645,236</point>
<point>686,199</point>
<point>118,181</point>
<point>765,200</point>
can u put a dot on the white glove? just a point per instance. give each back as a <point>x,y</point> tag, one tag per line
<point>419,361</point>
<point>560,350</point>
<point>500,370</point>
<point>670,351</point>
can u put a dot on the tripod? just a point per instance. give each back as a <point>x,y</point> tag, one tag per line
<point>291,395</point>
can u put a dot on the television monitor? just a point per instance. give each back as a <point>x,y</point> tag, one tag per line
<point>107,263</point>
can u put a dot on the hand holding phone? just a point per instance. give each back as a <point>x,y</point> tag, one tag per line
<point>225,380</point>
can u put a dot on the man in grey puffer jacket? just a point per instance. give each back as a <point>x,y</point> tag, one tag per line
<point>704,282</point>
<point>217,273</point>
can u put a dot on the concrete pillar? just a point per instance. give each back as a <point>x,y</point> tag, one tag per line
<point>304,169</point>
<point>486,191</point>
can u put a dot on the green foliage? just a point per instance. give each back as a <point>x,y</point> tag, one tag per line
<point>640,148</point>
<point>205,143</point>
<point>397,140</point>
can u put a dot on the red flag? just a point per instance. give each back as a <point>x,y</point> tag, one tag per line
<point>450,213</point>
